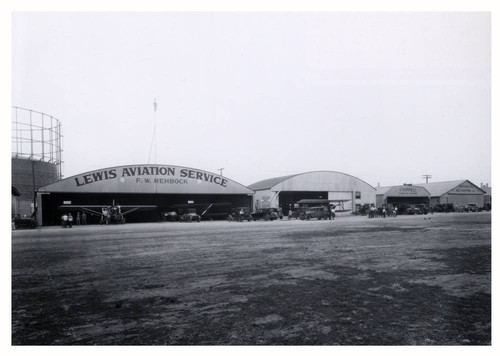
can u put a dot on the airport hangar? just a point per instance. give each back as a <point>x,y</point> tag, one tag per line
<point>402,194</point>
<point>159,185</point>
<point>283,192</point>
<point>457,192</point>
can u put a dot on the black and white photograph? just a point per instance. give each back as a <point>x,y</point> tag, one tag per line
<point>222,177</point>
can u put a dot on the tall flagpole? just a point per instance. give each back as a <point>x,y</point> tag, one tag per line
<point>154,135</point>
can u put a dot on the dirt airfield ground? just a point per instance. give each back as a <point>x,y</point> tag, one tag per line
<point>410,280</point>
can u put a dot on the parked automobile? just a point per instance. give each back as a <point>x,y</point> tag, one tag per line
<point>414,211</point>
<point>424,208</point>
<point>266,214</point>
<point>317,212</point>
<point>240,214</point>
<point>443,208</point>
<point>297,212</point>
<point>170,216</point>
<point>460,208</point>
<point>403,208</point>
<point>190,215</point>
<point>472,208</point>
<point>19,222</point>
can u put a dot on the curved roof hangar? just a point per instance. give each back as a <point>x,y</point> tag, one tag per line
<point>148,178</point>
<point>313,181</point>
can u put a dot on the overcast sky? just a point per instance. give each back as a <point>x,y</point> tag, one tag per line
<point>386,97</point>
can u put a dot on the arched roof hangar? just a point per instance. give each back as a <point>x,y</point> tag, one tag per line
<point>285,191</point>
<point>160,185</point>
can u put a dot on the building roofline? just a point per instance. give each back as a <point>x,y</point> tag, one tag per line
<point>149,165</point>
<point>298,174</point>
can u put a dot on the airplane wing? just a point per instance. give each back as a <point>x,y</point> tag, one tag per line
<point>131,208</point>
<point>97,209</point>
<point>92,209</point>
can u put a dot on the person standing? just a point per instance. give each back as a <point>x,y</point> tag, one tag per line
<point>77,219</point>
<point>64,220</point>
<point>70,220</point>
<point>84,218</point>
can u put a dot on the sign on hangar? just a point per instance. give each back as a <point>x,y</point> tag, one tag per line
<point>148,179</point>
<point>159,185</point>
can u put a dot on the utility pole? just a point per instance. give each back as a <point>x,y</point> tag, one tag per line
<point>155,106</point>
<point>220,171</point>
<point>426,177</point>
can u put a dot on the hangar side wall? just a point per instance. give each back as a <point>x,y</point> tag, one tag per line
<point>462,199</point>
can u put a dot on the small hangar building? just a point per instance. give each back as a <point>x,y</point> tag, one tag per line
<point>402,194</point>
<point>457,192</point>
<point>158,185</point>
<point>283,192</point>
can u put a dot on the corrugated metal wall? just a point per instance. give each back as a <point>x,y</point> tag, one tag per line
<point>462,199</point>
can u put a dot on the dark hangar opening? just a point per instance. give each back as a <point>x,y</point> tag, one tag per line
<point>51,214</point>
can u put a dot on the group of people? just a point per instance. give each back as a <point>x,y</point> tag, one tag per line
<point>382,212</point>
<point>67,219</point>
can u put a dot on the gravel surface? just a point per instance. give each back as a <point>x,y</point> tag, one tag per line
<point>410,280</point>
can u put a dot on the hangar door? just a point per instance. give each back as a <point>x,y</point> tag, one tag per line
<point>347,205</point>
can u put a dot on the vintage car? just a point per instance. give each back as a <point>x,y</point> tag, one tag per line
<point>240,214</point>
<point>317,212</point>
<point>444,208</point>
<point>460,208</point>
<point>472,208</point>
<point>424,208</point>
<point>414,211</point>
<point>190,215</point>
<point>266,214</point>
<point>26,222</point>
<point>170,216</point>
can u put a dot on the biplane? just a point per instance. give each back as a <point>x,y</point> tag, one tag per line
<point>110,214</point>
<point>337,203</point>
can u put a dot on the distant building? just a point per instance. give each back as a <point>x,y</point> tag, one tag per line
<point>283,192</point>
<point>406,194</point>
<point>457,192</point>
